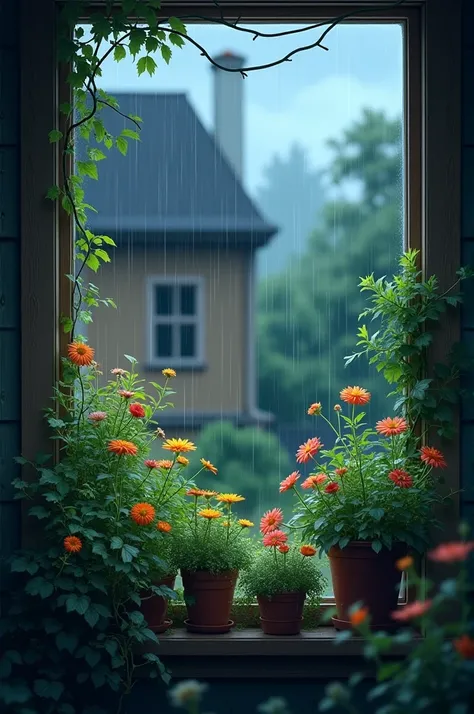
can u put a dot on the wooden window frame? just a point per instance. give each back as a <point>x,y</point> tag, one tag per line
<point>433,185</point>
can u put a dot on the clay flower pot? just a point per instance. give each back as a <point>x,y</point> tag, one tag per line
<point>208,599</point>
<point>359,574</point>
<point>281,614</point>
<point>154,607</point>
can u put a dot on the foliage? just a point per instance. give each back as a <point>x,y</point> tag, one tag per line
<point>407,310</point>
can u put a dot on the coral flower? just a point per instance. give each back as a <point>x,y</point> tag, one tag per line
<point>209,494</point>
<point>454,552</point>
<point>307,550</point>
<point>289,481</point>
<point>165,464</point>
<point>315,409</point>
<point>196,492</point>
<point>122,448</point>
<point>414,609</point>
<point>125,393</point>
<point>357,617</point>
<point>432,457</point>
<point>271,520</point>
<point>275,539</point>
<point>314,481</point>
<point>355,395</point>
<point>337,408</point>
<point>182,460</point>
<point>209,513</point>
<point>136,410</point>
<point>332,487</point>
<point>142,513</point>
<point>163,526</point>
<point>341,472</point>
<point>208,466</point>
<point>168,372</point>
<point>404,563</point>
<point>151,464</point>
<point>308,450</point>
<point>284,548</point>
<point>118,371</point>
<point>229,498</point>
<point>401,478</point>
<point>464,646</point>
<point>391,426</point>
<point>179,446</point>
<point>80,354</point>
<point>72,544</point>
<point>244,523</point>
<point>97,416</point>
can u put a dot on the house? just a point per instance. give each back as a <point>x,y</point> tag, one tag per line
<point>183,271</point>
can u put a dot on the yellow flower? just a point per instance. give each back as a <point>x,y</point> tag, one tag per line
<point>209,513</point>
<point>244,523</point>
<point>182,460</point>
<point>226,524</point>
<point>208,466</point>
<point>229,498</point>
<point>179,446</point>
<point>168,372</point>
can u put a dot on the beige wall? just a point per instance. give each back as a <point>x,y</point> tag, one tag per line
<point>222,386</point>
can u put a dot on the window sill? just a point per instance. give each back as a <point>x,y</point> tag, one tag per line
<point>198,367</point>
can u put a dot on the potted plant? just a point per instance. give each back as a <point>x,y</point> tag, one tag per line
<point>211,548</point>
<point>281,577</point>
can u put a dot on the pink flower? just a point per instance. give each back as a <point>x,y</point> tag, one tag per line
<point>289,481</point>
<point>454,552</point>
<point>414,609</point>
<point>308,450</point>
<point>275,539</point>
<point>97,416</point>
<point>271,520</point>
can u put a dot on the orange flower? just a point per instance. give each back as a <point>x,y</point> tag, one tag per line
<point>229,498</point>
<point>209,513</point>
<point>142,513</point>
<point>182,460</point>
<point>72,544</point>
<point>122,448</point>
<point>165,464</point>
<point>391,426</point>
<point>314,481</point>
<point>357,617</point>
<point>97,416</point>
<point>152,464</point>
<point>337,408</point>
<point>271,520</point>
<point>179,446</point>
<point>432,457</point>
<point>209,494</point>
<point>168,372</point>
<point>125,393</point>
<point>284,548</point>
<point>208,466</point>
<point>274,539</point>
<point>315,409</point>
<point>414,609</point>
<point>355,395</point>
<point>289,481</point>
<point>163,526</point>
<point>308,450</point>
<point>401,478</point>
<point>118,371</point>
<point>307,550</point>
<point>136,410</point>
<point>454,552</point>
<point>404,563</point>
<point>80,354</point>
<point>341,472</point>
<point>244,523</point>
<point>332,487</point>
<point>196,492</point>
<point>464,646</point>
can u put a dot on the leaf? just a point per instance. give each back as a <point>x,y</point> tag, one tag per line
<point>122,145</point>
<point>116,543</point>
<point>92,262</point>
<point>92,616</point>
<point>146,64</point>
<point>166,53</point>
<point>39,586</point>
<point>55,135</point>
<point>48,689</point>
<point>119,53</point>
<point>376,546</point>
<point>129,552</point>
<point>131,134</point>
<point>79,604</point>
<point>66,641</point>
<point>88,168</point>
<point>377,513</point>
<point>53,193</point>
<point>99,549</point>
<point>176,39</point>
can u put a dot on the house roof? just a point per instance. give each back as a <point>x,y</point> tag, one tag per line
<point>175,185</point>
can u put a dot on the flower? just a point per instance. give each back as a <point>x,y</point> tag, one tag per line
<point>118,371</point>
<point>185,693</point>
<point>308,450</point>
<point>136,410</point>
<point>284,548</point>
<point>182,460</point>
<point>244,523</point>
<point>271,520</point>
<point>229,498</point>
<point>125,393</point>
<point>414,609</point>
<point>274,539</point>
<point>341,471</point>
<point>401,478</point>
<point>122,447</point>
<point>151,464</point>
<point>160,433</point>
<point>208,466</point>
<point>464,646</point>
<point>142,513</point>
<point>196,492</point>
<point>72,544</point>
<point>355,395</point>
<point>289,481</point>
<point>163,526</point>
<point>80,354</point>
<point>209,513</point>
<point>315,409</point>
<point>337,408</point>
<point>307,550</point>
<point>391,426</point>
<point>404,563</point>
<point>358,616</point>
<point>453,552</point>
<point>314,481</point>
<point>168,372</point>
<point>209,494</point>
<point>97,416</point>
<point>179,446</point>
<point>332,487</point>
<point>226,524</point>
<point>432,457</point>
<point>165,464</point>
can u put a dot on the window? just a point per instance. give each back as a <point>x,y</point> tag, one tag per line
<point>175,322</point>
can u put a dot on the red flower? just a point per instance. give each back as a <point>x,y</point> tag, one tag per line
<point>151,464</point>
<point>307,550</point>
<point>401,478</point>
<point>414,609</point>
<point>271,520</point>
<point>72,544</point>
<point>432,457</point>
<point>464,646</point>
<point>275,539</point>
<point>284,548</point>
<point>332,487</point>
<point>454,552</point>
<point>341,472</point>
<point>289,481</point>
<point>308,450</point>
<point>163,526</point>
<point>391,426</point>
<point>136,410</point>
<point>359,616</point>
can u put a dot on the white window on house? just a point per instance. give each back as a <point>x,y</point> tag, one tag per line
<point>176,322</point>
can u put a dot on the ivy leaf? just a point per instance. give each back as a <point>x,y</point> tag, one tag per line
<point>65,641</point>
<point>376,546</point>
<point>116,543</point>
<point>122,145</point>
<point>146,64</point>
<point>119,53</point>
<point>92,617</point>
<point>99,549</point>
<point>129,552</point>
<point>177,25</point>
<point>88,168</point>
<point>48,689</point>
<point>55,135</point>
<point>131,134</point>
<point>176,39</point>
<point>53,193</point>
<point>39,586</point>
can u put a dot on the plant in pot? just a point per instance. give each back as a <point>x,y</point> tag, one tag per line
<point>281,577</point>
<point>211,548</point>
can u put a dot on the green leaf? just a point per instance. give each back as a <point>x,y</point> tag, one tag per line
<point>77,603</point>
<point>129,552</point>
<point>176,40</point>
<point>116,543</point>
<point>108,240</point>
<point>92,616</point>
<point>66,641</point>
<point>177,25</point>
<point>92,262</point>
<point>48,689</point>
<point>377,513</point>
<point>17,693</point>
<point>39,586</point>
<point>99,549</point>
<point>102,255</point>
<point>96,154</point>
<point>53,193</point>
<point>146,64</point>
<point>166,53</point>
<point>122,145</point>
<point>88,168</point>
<point>131,134</point>
<point>119,53</point>
<point>55,135</point>
<point>376,546</point>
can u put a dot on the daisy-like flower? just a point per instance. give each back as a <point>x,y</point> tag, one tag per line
<point>391,426</point>
<point>355,395</point>
<point>332,487</point>
<point>307,550</point>
<point>136,410</point>
<point>209,494</point>
<point>464,646</point>
<point>122,447</point>
<point>208,466</point>
<point>97,416</point>
<point>168,372</point>
<point>433,457</point>
<point>275,539</point>
<point>125,393</point>
<point>118,372</point>
<point>284,548</point>
<point>151,464</point>
<point>271,520</point>
<point>229,498</point>
<point>182,461</point>
<point>179,446</point>
<point>401,478</point>
<point>315,409</point>
<point>209,513</point>
<point>341,471</point>
<point>80,354</point>
<point>357,617</point>
<point>72,544</point>
<point>414,609</point>
<point>308,450</point>
<point>187,693</point>
<point>163,526</point>
<point>337,408</point>
<point>289,482</point>
<point>314,481</point>
<point>404,563</point>
<point>226,524</point>
<point>165,464</point>
<point>244,523</point>
<point>453,552</point>
<point>196,492</point>
<point>142,513</point>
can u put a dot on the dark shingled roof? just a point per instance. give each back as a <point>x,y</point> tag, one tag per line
<point>174,185</point>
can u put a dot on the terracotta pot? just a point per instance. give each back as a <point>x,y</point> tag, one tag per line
<point>282,614</point>
<point>208,599</point>
<point>359,574</point>
<point>154,607</point>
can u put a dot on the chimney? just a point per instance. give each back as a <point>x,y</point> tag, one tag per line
<point>228,109</point>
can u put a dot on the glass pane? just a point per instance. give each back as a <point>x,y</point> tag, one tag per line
<point>163,340</point>
<point>187,300</point>
<point>188,340</point>
<point>163,299</point>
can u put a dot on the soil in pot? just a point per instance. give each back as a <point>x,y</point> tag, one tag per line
<point>209,598</point>
<point>359,574</point>
<point>154,607</point>
<point>281,614</point>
